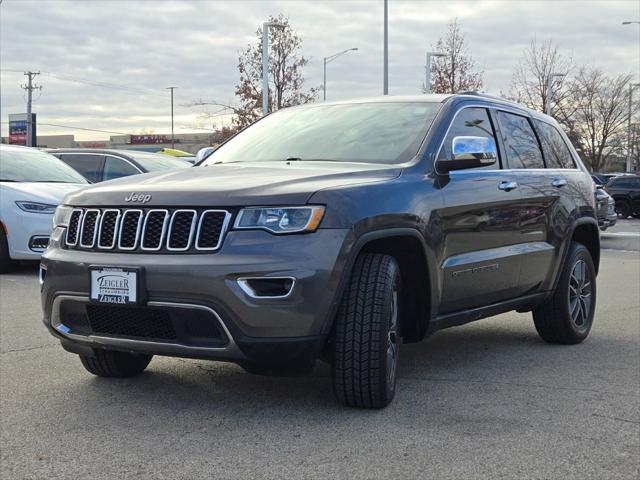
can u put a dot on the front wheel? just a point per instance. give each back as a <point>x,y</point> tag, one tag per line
<point>567,316</point>
<point>109,363</point>
<point>366,338</point>
<point>623,209</point>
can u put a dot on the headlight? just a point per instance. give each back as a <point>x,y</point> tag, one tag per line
<point>35,207</point>
<point>62,216</point>
<point>280,219</point>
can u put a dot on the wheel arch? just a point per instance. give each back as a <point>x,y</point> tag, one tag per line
<point>404,244</point>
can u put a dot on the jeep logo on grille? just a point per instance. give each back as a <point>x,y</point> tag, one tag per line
<point>137,197</point>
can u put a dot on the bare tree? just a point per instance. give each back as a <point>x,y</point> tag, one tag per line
<point>530,80</point>
<point>286,82</point>
<point>597,124</point>
<point>455,72</point>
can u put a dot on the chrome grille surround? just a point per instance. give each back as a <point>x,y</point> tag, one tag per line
<point>105,216</point>
<point>89,226</point>
<point>146,230</point>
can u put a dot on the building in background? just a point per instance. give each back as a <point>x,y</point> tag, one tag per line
<point>189,142</point>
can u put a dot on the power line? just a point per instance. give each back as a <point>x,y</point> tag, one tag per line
<point>81,128</point>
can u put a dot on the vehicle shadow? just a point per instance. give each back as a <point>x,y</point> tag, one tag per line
<point>201,389</point>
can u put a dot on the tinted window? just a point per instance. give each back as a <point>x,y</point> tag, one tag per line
<point>472,122</point>
<point>385,132</point>
<point>31,165</point>
<point>117,167</point>
<point>556,152</point>
<point>88,165</point>
<point>520,142</point>
<point>625,182</point>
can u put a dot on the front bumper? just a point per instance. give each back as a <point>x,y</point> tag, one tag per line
<point>271,330</point>
<point>23,228</point>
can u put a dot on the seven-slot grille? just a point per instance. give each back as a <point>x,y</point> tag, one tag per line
<point>152,229</point>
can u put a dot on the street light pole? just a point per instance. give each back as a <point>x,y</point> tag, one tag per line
<point>330,59</point>
<point>173,141</point>
<point>427,73</point>
<point>265,64</point>
<point>549,90</point>
<point>385,82</point>
<point>629,144</point>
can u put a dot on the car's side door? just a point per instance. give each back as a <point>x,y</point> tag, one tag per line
<point>116,167</point>
<point>89,165</point>
<point>479,264</point>
<point>547,203</point>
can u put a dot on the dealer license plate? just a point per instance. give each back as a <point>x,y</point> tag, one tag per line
<point>114,285</point>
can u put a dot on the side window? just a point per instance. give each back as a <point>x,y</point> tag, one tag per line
<point>519,141</point>
<point>472,122</point>
<point>87,165</point>
<point>117,167</point>
<point>556,151</point>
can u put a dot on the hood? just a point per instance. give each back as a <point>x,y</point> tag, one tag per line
<point>268,183</point>
<point>51,193</point>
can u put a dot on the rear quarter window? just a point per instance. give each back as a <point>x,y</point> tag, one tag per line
<point>556,152</point>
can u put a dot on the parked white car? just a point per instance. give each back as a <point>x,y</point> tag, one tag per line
<point>32,184</point>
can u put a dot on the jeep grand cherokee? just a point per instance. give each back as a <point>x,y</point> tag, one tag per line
<point>332,231</point>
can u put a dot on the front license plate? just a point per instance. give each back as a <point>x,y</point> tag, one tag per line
<point>114,285</point>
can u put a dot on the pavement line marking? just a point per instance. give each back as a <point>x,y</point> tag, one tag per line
<point>617,250</point>
<point>620,234</point>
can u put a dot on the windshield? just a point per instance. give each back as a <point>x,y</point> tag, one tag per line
<point>31,165</point>
<point>386,133</point>
<point>155,162</point>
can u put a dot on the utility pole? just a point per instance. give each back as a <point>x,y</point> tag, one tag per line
<point>385,83</point>
<point>30,87</point>
<point>173,140</point>
<point>550,79</point>
<point>265,63</point>
<point>629,144</point>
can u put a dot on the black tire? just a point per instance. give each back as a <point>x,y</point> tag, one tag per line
<point>366,338</point>
<point>6,264</point>
<point>623,209</point>
<point>109,363</point>
<point>567,317</point>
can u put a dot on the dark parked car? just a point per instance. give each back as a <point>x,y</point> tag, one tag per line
<point>605,209</point>
<point>625,190</point>
<point>100,165</point>
<point>332,231</point>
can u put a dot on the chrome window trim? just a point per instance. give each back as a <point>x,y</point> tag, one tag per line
<point>162,233</point>
<point>115,228</point>
<point>191,230</point>
<point>95,228</point>
<point>244,286</point>
<point>77,228</point>
<point>505,108</point>
<point>124,216</point>
<point>225,226</point>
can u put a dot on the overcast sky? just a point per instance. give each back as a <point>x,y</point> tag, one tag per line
<point>131,50</point>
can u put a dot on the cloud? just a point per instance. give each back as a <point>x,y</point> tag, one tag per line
<point>194,45</point>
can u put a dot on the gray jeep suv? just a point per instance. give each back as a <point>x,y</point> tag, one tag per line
<point>333,231</point>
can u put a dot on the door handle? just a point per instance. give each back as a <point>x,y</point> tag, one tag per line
<point>507,186</point>
<point>559,182</point>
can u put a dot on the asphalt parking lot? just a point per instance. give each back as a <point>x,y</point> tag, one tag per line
<point>486,400</point>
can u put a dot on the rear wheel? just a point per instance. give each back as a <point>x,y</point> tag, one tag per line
<point>568,316</point>
<point>366,338</point>
<point>109,363</point>
<point>623,209</point>
<point>6,264</point>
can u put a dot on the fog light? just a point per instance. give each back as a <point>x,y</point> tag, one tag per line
<point>267,287</point>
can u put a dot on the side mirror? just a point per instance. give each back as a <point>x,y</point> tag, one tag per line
<point>204,153</point>
<point>469,152</point>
